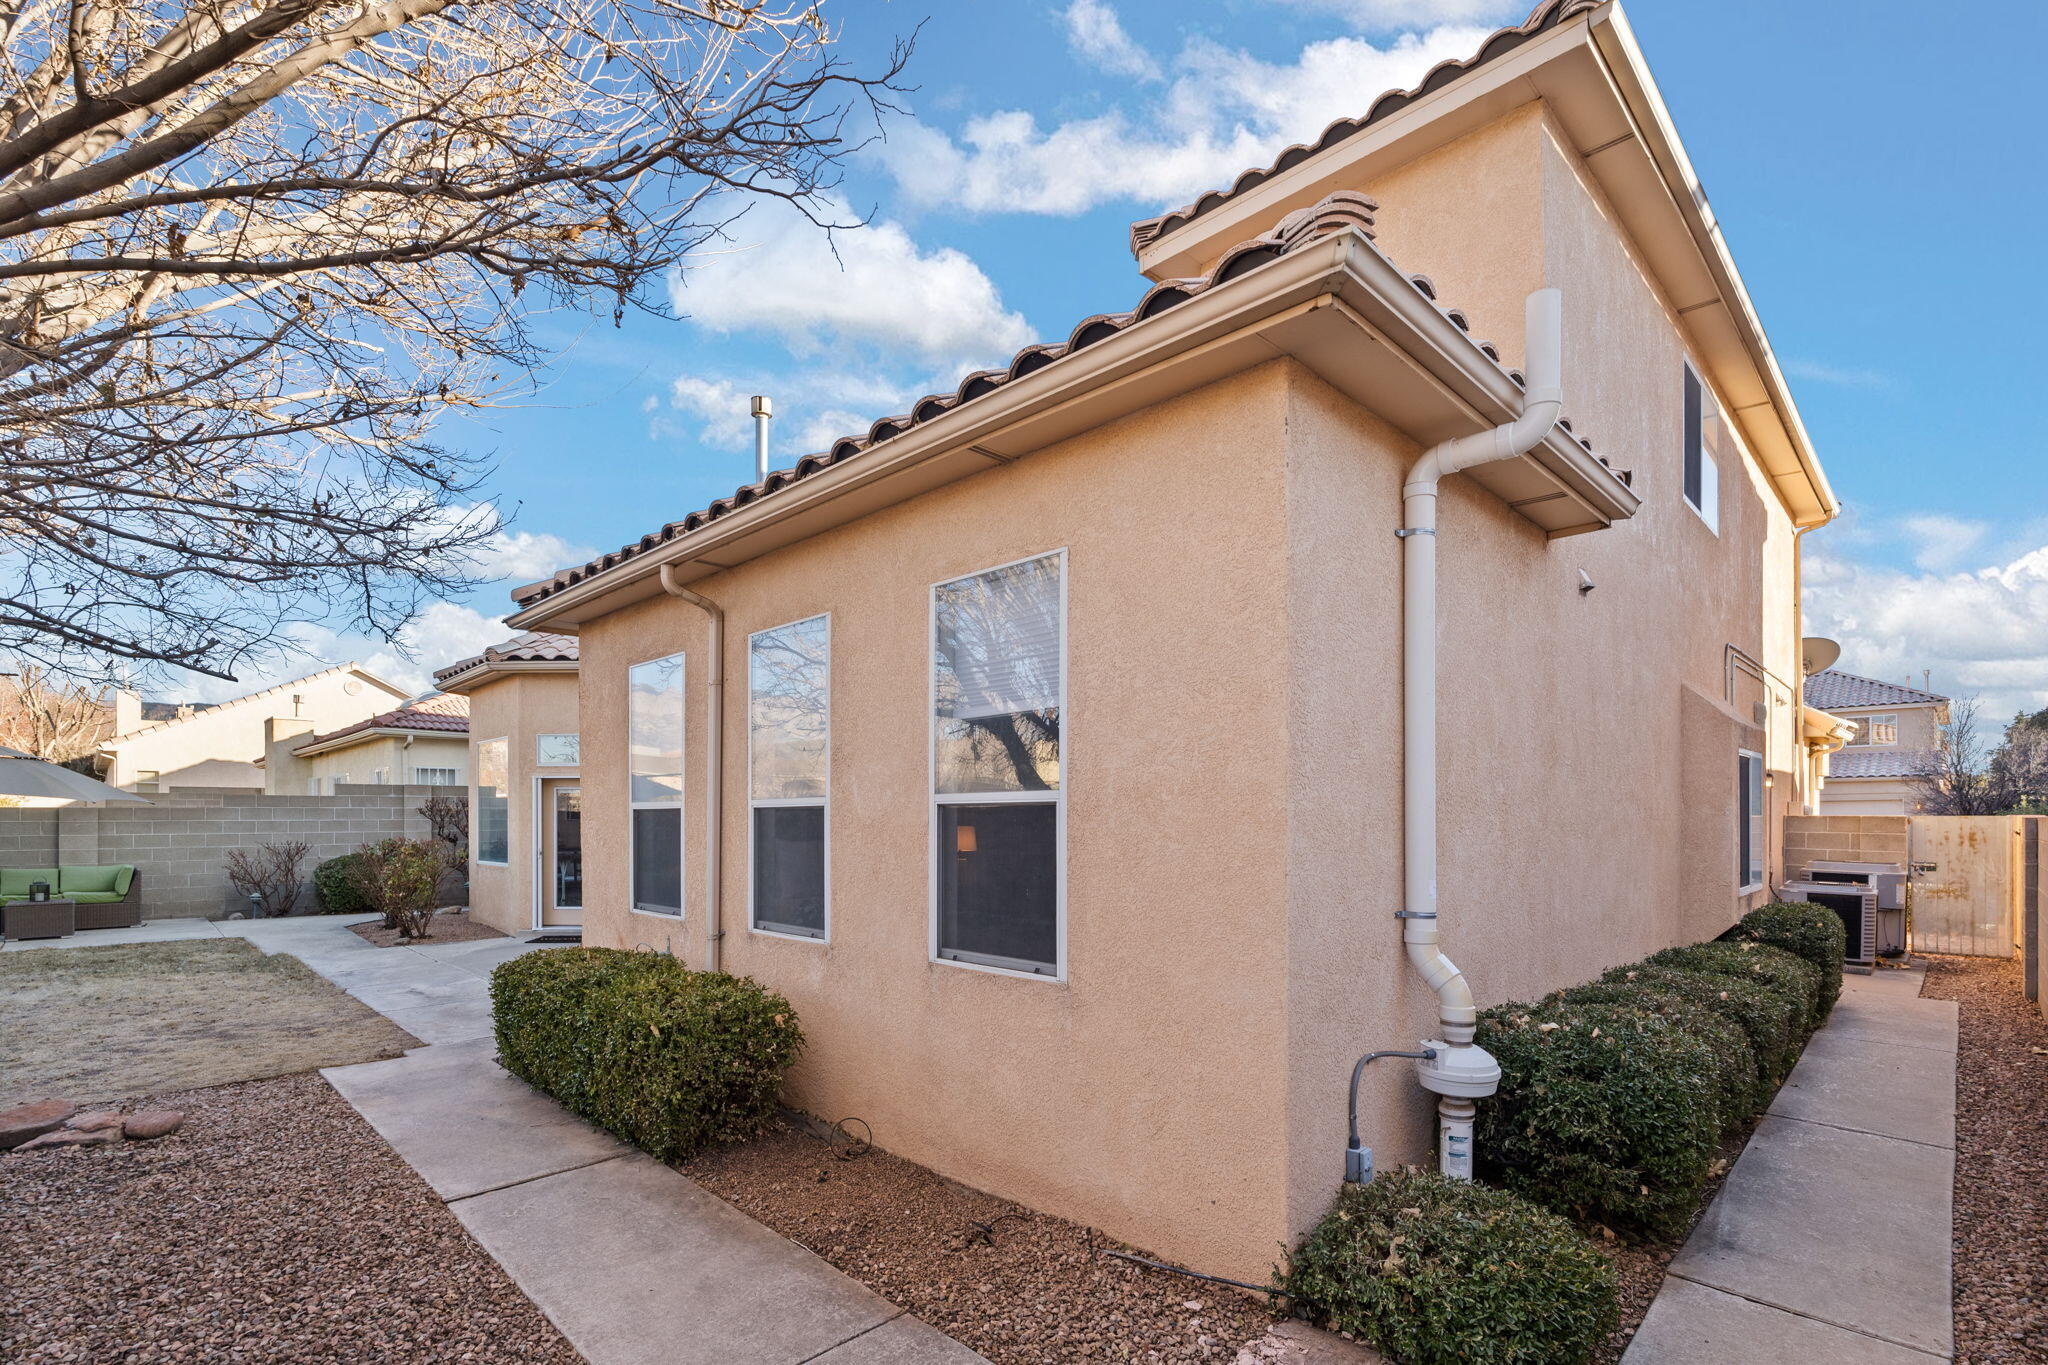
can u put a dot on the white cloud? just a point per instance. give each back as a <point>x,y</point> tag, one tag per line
<point>1097,35</point>
<point>1981,633</point>
<point>1224,110</point>
<point>437,637</point>
<point>1942,542</point>
<point>1383,15</point>
<point>525,556</point>
<point>1841,376</point>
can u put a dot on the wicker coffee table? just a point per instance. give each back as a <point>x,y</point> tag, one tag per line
<point>53,918</point>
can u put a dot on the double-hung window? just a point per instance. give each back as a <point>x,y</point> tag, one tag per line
<point>493,804</point>
<point>435,777</point>
<point>999,709</point>
<point>788,762</point>
<point>1751,825</point>
<point>655,738</point>
<point>1875,731</point>
<point>1702,477</point>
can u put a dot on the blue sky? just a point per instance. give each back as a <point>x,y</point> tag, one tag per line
<point>1868,166</point>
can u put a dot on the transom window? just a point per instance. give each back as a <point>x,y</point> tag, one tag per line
<point>493,805</point>
<point>788,762</point>
<point>998,783</point>
<point>1875,730</point>
<point>655,741</point>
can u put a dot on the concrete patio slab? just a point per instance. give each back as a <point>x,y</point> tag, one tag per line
<point>1927,1024</point>
<point>463,1123</point>
<point>151,931</point>
<point>1691,1324</point>
<point>1844,1227</point>
<point>663,1273</point>
<point>1873,1086</point>
<point>903,1340</point>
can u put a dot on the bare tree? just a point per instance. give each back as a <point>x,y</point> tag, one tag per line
<point>252,250</point>
<point>1966,776</point>
<point>52,718</point>
<point>269,877</point>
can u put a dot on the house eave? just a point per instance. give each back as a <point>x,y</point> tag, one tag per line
<point>1337,305</point>
<point>497,670</point>
<point>357,737</point>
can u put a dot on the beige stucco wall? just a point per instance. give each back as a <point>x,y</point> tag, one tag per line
<point>515,708</point>
<point>1919,726</point>
<point>219,747</point>
<point>376,760</point>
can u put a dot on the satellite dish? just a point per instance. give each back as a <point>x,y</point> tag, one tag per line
<point>1817,654</point>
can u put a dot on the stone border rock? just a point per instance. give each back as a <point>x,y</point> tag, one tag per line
<point>57,1123</point>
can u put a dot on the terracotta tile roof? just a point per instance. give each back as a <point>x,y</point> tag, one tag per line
<point>1831,689</point>
<point>1345,209</point>
<point>1853,763</point>
<point>441,713</point>
<point>536,646</point>
<point>1542,19</point>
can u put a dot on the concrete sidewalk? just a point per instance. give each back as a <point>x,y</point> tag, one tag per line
<point>1830,1241</point>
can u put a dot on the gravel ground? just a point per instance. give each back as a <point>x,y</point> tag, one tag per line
<point>2001,1214</point>
<point>276,1229</point>
<point>447,927</point>
<point>1020,1287</point>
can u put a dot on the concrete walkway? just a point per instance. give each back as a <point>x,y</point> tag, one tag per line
<point>1830,1240</point>
<point>633,1262</point>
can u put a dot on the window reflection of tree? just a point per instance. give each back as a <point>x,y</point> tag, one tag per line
<point>786,680</point>
<point>997,669</point>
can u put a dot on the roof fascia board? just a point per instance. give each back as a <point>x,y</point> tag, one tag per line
<point>355,737</point>
<point>1282,308</point>
<point>498,670</point>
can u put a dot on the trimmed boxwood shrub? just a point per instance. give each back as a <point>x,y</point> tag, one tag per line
<point>1808,931</point>
<point>665,1058</point>
<point>1738,1075</point>
<point>1442,1272</point>
<point>1772,1024</point>
<point>1794,979</point>
<point>335,880</point>
<point>1604,1113</point>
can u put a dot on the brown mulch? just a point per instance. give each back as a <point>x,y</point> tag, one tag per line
<point>447,927</point>
<point>1020,1287</point>
<point>276,1227</point>
<point>2001,1194</point>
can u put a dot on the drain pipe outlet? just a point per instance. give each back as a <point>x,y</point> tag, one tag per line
<point>714,768</point>
<point>1459,1072</point>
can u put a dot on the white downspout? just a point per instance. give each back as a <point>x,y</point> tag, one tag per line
<point>714,768</point>
<point>1459,1072</point>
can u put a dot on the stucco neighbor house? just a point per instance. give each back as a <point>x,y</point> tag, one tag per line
<point>422,743</point>
<point>223,745</point>
<point>526,802</point>
<point>1044,743</point>
<point>1897,736</point>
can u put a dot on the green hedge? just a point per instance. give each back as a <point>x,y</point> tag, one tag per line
<point>1792,979</point>
<point>1812,932</point>
<point>335,881</point>
<point>1738,1073</point>
<point>1440,1272</point>
<point>668,1059</point>
<point>1606,1113</point>
<point>1774,1026</point>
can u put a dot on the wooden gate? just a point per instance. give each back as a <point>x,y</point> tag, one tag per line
<point>1968,879</point>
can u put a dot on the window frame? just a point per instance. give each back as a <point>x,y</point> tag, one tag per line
<point>476,787</point>
<point>680,805</point>
<point>454,781</point>
<point>935,798</point>
<point>1755,847</point>
<point>1694,427</point>
<point>824,803</point>
<point>1864,725</point>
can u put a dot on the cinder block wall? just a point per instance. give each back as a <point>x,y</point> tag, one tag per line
<point>180,841</point>
<point>1843,839</point>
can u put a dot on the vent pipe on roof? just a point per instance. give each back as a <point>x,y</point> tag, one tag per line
<point>764,412</point>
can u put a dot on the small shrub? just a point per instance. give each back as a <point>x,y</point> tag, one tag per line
<point>1808,931</point>
<point>270,873</point>
<point>398,878</point>
<point>1738,1073</point>
<point>335,880</point>
<point>1772,1024</point>
<point>1794,979</point>
<point>1441,1272</point>
<point>668,1059</point>
<point>1606,1114</point>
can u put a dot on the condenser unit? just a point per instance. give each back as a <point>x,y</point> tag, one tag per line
<point>1855,902</point>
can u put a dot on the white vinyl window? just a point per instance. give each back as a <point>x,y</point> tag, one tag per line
<point>436,777</point>
<point>998,781</point>
<point>655,739</point>
<point>788,766</point>
<point>493,803</point>
<point>1875,731</point>
<point>1702,478</point>
<point>1752,826</point>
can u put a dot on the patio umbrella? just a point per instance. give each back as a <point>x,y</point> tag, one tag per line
<point>24,775</point>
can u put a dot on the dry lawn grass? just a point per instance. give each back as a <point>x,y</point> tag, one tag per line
<point>102,1023</point>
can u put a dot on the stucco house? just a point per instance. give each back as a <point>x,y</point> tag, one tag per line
<point>223,745</point>
<point>422,743</point>
<point>1088,751</point>
<point>1897,736</point>
<point>526,802</point>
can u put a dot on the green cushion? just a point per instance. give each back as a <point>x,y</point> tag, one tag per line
<point>92,897</point>
<point>14,880</point>
<point>114,879</point>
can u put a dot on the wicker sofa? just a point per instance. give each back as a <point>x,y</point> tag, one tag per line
<point>108,897</point>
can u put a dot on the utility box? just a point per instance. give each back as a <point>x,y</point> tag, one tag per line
<point>1856,903</point>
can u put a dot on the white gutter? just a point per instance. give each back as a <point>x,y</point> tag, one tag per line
<point>714,768</point>
<point>1459,1072</point>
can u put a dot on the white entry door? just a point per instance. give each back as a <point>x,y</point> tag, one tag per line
<point>561,860</point>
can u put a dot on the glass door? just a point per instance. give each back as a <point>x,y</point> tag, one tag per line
<point>562,857</point>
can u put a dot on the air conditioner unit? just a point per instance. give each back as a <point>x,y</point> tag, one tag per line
<point>1856,903</point>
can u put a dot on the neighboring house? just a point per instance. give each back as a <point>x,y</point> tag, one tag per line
<point>1898,736</point>
<point>223,745</point>
<point>523,873</point>
<point>1062,715</point>
<point>423,743</point>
